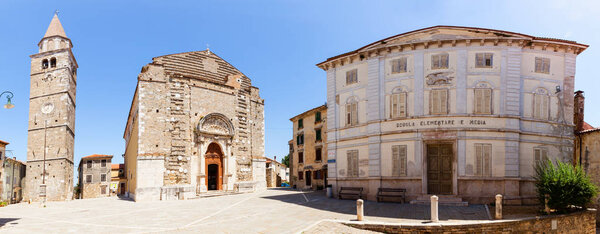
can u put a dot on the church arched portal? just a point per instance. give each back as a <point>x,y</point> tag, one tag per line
<point>214,167</point>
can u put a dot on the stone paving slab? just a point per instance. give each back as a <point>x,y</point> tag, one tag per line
<point>271,211</point>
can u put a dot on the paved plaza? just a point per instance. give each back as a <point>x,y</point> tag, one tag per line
<point>271,211</point>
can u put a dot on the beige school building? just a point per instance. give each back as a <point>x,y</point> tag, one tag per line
<point>460,112</point>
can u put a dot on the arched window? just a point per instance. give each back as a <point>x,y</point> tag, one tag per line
<point>398,103</point>
<point>44,63</point>
<point>541,107</point>
<point>352,111</point>
<point>53,62</point>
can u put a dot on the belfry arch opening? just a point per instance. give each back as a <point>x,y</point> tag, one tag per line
<point>214,167</point>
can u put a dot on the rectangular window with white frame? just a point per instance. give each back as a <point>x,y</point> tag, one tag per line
<point>352,76</point>
<point>540,155</point>
<point>398,65</point>
<point>541,106</point>
<point>483,159</point>
<point>352,114</point>
<point>398,105</point>
<point>483,101</point>
<point>352,157</point>
<point>439,61</point>
<point>399,160</point>
<point>484,60</point>
<point>542,65</point>
<point>438,101</point>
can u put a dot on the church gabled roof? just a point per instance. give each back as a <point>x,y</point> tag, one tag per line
<point>203,65</point>
<point>55,28</point>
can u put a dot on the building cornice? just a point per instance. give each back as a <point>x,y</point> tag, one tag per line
<point>504,38</point>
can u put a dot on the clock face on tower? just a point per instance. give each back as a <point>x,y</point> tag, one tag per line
<point>47,108</point>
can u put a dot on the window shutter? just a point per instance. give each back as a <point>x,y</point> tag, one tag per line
<point>435,62</point>
<point>544,155</point>
<point>394,105</point>
<point>402,160</point>
<point>478,100</point>
<point>354,113</point>
<point>443,101</point>
<point>487,151</point>
<point>487,101</point>
<point>403,65</point>
<point>395,160</point>
<point>402,104</point>
<point>478,159</point>
<point>536,156</point>
<point>444,61</point>
<point>546,65</point>
<point>479,60</point>
<point>433,102</point>
<point>536,106</point>
<point>538,65</point>
<point>544,109</point>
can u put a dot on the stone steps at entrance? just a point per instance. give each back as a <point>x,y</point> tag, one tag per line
<point>214,193</point>
<point>444,200</point>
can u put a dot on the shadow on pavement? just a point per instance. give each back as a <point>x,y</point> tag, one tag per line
<point>4,221</point>
<point>318,200</point>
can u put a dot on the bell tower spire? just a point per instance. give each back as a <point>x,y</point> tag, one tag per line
<point>55,37</point>
<point>51,135</point>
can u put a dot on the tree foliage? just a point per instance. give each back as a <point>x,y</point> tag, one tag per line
<point>286,160</point>
<point>568,186</point>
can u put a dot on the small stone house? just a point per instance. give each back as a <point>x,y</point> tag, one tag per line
<point>95,176</point>
<point>276,172</point>
<point>12,173</point>
<point>308,151</point>
<point>118,181</point>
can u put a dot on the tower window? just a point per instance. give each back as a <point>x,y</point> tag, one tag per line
<point>44,63</point>
<point>53,62</point>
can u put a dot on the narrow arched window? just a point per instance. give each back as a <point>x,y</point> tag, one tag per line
<point>53,62</point>
<point>541,107</point>
<point>352,112</point>
<point>44,63</point>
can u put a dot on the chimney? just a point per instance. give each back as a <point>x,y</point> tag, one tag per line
<point>578,111</point>
<point>275,158</point>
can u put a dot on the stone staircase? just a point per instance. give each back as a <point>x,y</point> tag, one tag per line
<point>214,193</point>
<point>444,200</point>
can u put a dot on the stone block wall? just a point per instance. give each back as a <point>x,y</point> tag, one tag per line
<point>579,222</point>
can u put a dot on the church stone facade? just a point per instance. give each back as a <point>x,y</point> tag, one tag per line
<point>51,118</point>
<point>196,124</point>
<point>460,112</point>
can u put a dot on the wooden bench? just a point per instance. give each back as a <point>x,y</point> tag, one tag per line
<point>350,191</point>
<point>391,193</point>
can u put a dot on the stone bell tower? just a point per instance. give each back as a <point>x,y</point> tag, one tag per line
<point>51,118</point>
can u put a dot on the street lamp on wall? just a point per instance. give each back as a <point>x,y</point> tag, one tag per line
<point>9,95</point>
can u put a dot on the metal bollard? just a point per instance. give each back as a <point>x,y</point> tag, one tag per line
<point>498,207</point>
<point>359,209</point>
<point>434,209</point>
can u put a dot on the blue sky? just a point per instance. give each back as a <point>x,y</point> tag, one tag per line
<point>275,43</point>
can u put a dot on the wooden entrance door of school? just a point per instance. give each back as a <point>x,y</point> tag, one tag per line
<point>439,168</point>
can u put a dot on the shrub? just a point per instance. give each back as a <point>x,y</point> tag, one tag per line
<point>568,187</point>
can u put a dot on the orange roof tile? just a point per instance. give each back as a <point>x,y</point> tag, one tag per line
<point>3,142</point>
<point>587,126</point>
<point>97,156</point>
<point>117,166</point>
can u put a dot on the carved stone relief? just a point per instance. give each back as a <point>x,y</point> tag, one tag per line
<point>439,78</point>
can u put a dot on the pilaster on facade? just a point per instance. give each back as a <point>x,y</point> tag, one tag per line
<point>419,83</point>
<point>514,83</point>
<point>461,81</point>
<point>373,89</point>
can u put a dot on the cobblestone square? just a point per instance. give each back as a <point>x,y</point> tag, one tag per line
<point>271,211</point>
